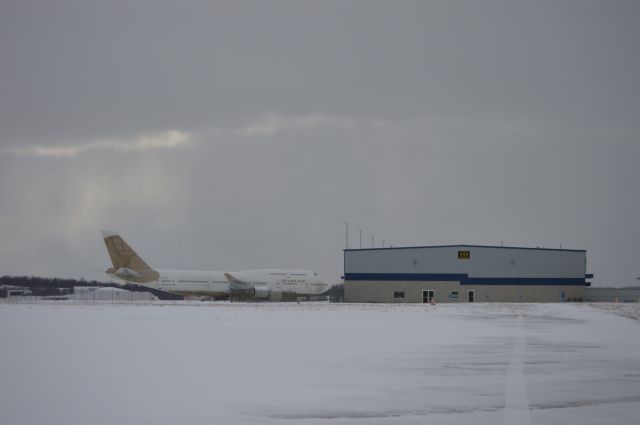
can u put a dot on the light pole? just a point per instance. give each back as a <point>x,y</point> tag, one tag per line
<point>360,231</point>
<point>346,234</point>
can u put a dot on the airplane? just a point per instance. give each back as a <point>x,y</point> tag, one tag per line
<point>129,267</point>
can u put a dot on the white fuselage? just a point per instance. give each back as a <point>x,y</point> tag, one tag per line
<point>215,283</point>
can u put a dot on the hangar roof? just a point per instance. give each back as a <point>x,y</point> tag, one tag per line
<point>466,246</point>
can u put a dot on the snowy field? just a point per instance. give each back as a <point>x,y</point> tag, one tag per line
<point>319,363</point>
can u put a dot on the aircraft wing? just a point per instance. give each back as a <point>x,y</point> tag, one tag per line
<point>231,278</point>
<point>236,283</point>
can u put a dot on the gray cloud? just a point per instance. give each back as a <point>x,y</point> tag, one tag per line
<point>419,122</point>
<point>168,139</point>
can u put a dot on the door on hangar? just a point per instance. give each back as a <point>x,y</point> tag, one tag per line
<point>428,296</point>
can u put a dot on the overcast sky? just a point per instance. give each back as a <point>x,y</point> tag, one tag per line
<point>235,135</point>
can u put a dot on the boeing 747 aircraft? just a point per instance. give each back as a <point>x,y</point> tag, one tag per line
<point>129,267</point>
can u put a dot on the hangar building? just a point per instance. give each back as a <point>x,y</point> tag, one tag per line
<point>464,273</point>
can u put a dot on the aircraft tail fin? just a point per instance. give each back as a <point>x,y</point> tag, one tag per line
<point>121,254</point>
<point>126,263</point>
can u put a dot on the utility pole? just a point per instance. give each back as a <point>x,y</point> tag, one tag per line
<point>360,231</point>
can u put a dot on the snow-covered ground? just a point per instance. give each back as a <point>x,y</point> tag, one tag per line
<point>221,363</point>
<point>630,310</point>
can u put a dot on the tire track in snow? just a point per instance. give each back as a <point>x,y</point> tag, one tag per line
<point>516,409</point>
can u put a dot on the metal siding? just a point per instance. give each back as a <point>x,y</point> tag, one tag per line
<point>484,262</point>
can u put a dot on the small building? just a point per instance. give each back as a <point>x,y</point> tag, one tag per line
<point>107,293</point>
<point>612,295</point>
<point>464,273</point>
<point>16,291</point>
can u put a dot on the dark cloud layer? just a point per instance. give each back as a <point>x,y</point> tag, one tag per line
<point>419,122</point>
